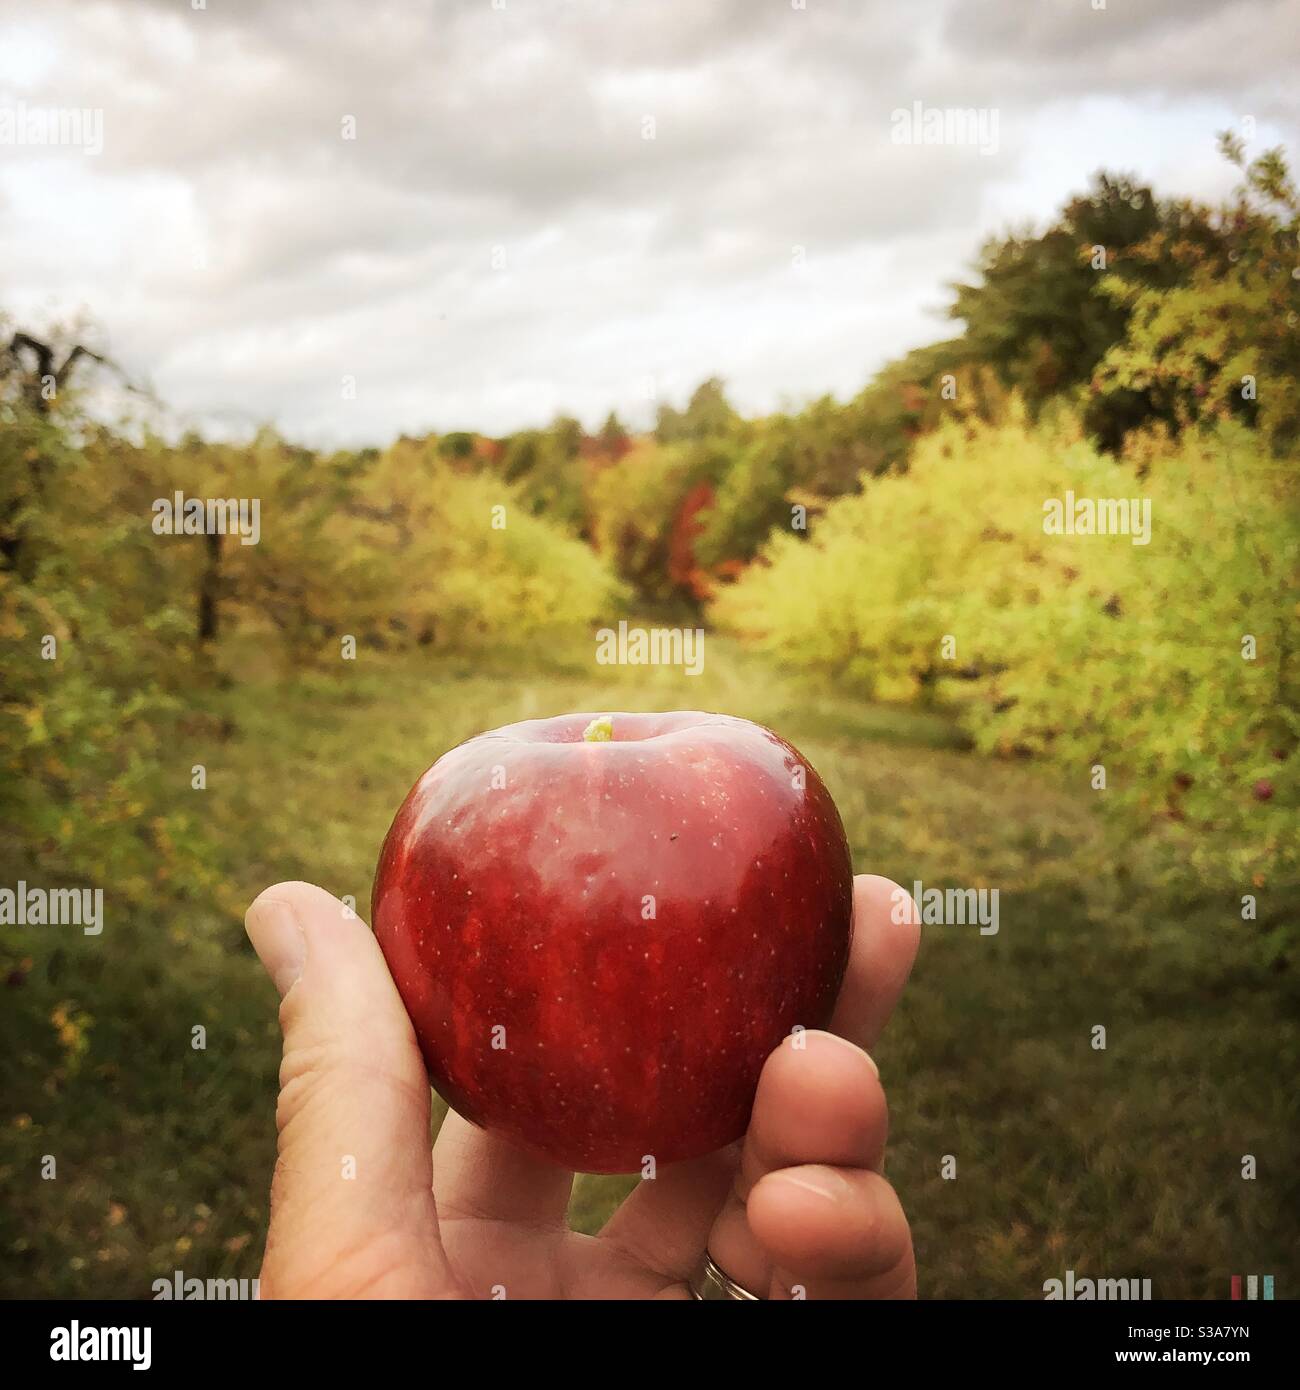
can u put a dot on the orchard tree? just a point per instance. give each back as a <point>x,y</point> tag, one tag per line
<point>1047,307</point>
<point>1224,340</point>
<point>35,406</point>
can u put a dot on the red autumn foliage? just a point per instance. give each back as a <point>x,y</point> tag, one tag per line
<point>682,567</point>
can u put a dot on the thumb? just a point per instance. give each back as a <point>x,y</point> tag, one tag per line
<point>352,1210</point>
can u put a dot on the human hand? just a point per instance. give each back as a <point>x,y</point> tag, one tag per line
<point>361,1208</point>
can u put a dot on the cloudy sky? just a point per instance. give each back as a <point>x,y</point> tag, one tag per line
<point>487,211</point>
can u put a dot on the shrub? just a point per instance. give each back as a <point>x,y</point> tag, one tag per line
<point>1082,649</point>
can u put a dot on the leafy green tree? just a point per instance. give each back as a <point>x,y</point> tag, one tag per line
<point>1225,340</point>
<point>708,415</point>
<point>614,439</point>
<point>37,376</point>
<point>751,499</point>
<point>456,445</point>
<point>1046,308</point>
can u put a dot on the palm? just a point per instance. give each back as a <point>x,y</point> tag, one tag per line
<point>548,1264</point>
<point>647,1250</point>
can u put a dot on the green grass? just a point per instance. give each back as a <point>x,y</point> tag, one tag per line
<point>1114,1163</point>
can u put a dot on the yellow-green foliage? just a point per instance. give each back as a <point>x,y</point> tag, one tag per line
<point>634,503</point>
<point>1217,347</point>
<point>459,557</point>
<point>103,677</point>
<point>391,548</point>
<point>1085,649</point>
<point>86,679</point>
<point>1223,340</point>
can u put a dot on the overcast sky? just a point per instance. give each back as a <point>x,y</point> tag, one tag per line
<point>501,241</point>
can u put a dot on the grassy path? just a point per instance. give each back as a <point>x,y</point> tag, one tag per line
<point>1116,1163</point>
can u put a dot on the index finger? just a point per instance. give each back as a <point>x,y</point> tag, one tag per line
<point>886,934</point>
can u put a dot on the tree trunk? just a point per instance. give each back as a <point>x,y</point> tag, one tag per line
<point>209,587</point>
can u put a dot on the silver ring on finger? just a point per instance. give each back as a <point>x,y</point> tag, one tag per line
<point>709,1282</point>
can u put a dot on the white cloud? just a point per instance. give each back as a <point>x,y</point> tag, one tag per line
<point>245,257</point>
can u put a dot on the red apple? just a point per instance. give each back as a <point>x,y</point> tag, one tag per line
<point>601,926</point>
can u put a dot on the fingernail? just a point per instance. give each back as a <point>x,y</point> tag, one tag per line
<point>856,1048</point>
<point>278,939</point>
<point>825,1183</point>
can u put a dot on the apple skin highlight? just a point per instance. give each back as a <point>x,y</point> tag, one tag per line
<point>601,925</point>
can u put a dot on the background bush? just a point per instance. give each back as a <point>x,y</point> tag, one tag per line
<point>941,585</point>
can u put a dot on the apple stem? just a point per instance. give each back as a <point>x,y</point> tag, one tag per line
<point>600,730</point>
